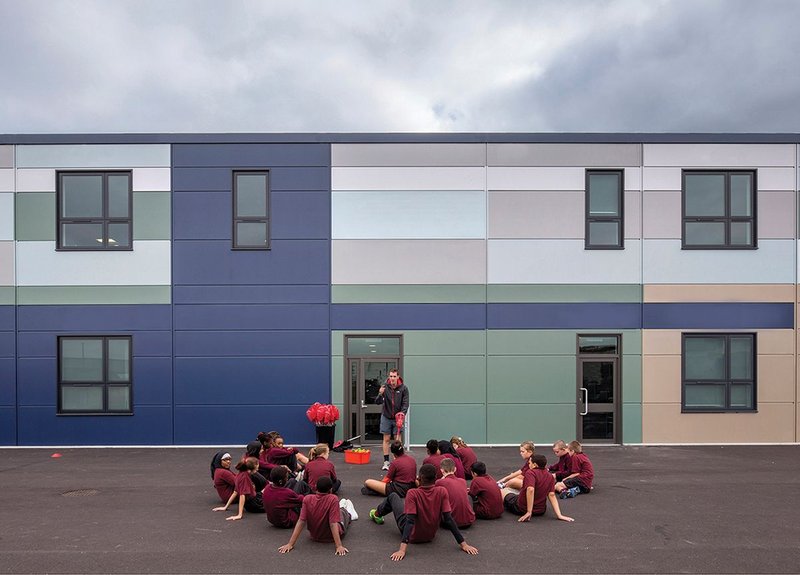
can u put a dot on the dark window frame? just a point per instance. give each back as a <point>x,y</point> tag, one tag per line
<point>620,219</point>
<point>727,380</point>
<point>727,219</point>
<point>236,219</point>
<point>105,219</point>
<point>105,384</point>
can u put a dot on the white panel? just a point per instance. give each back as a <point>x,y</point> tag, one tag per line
<point>351,179</point>
<point>666,263</point>
<point>152,179</point>
<point>38,264</point>
<point>94,156</point>
<point>397,215</point>
<point>545,179</point>
<point>36,180</point>
<point>776,179</point>
<point>633,179</point>
<point>662,179</point>
<point>7,180</point>
<point>719,155</point>
<point>6,216</point>
<point>562,262</point>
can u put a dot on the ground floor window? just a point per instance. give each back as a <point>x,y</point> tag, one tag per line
<point>719,372</point>
<point>94,374</point>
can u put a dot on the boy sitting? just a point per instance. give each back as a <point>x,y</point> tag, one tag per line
<point>537,488</point>
<point>460,503</point>
<point>485,493</point>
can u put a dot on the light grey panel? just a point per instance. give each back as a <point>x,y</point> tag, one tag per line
<point>400,179</point>
<point>6,156</point>
<point>152,180</point>
<point>776,179</point>
<point>719,155</point>
<point>776,215</point>
<point>409,215</point>
<point>536,215</point>
<point>36,180</point>
<point>6,180</point>
<point>662,215</point>
<point>6,263</point>
<point>633,179</point>
<point>583,155</point>
<point>666,263</point>
<point>408,155</point>
<point>6,216</point>
<point>545,179</point>
<point>661,179</point>
<point>633,215</point>
<point>94,156</point>
<point>408,261</point>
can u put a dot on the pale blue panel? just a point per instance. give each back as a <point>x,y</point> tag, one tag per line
<point>408,214</point>
<point>94,156</point>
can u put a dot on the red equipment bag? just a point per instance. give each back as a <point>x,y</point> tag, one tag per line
<point>399,419</point>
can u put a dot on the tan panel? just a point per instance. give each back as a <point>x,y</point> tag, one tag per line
<point>775,341</point>
<point>664,423</point>
<point>653,293</point>
<point>6,263</point>
<point>633,218</point>
<point>661,378</point>
<point>776,215</point>
<point>661,342</point>
<point>662,215</point>
<point>776,381</point>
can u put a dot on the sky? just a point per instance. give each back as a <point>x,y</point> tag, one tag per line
<point>107,66</point>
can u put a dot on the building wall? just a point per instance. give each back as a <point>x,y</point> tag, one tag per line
<point>8,375</point>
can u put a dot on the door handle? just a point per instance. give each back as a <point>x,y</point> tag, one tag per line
<point>363,405</point>
<point>585,401</point>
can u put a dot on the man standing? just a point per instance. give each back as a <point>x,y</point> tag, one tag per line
<point>394,401</point>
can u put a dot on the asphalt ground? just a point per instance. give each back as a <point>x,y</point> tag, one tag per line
<point>709,509</point>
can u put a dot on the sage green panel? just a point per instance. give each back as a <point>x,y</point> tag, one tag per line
<point>631,423</point>
<point>151,216</point>
<point>456,293</point>
<point>88,295</point>
<point>445,379</point>
<point>541,423</point>
<point>444,421</point>
<point>631,341</point>
<point>530,342</point>
<point>74,156</point>
<point>532,379</point>
<point>632,378</point>
<point>7,295</point>
<point>556,293</point>
<point>36,216</point>
<point>444,343</point>
<point>337,380</point>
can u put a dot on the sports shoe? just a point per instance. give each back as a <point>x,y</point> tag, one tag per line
<point>385,466</point>
<point>373,514</point>
<point>347,505</point>
<point>300,475</point>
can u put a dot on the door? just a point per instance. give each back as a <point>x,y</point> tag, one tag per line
<point>598,389</point>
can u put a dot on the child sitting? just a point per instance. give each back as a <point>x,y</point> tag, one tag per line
<point>401,477</point>
<point>485,493</point>
<point>224,479</point>
<point>581,476</point>
<point>466,454</point>
<point>288,456</point>
<point>249,497</point>
<point>563,467</point>
<point>514,479</point>
<point>537,489</point>
<point>318,466</point>
<point>282,504</point>
<point>460,503</point>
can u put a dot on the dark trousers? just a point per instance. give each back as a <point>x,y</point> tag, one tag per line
<point>345,522</point>
<point>395,505</point>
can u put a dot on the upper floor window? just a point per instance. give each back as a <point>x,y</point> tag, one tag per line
<point>719,209</point>
<point>604,210</point>
<point>719,372</point>
<point>94,211</point>
<point>94,374</point>
<point>251,210</point>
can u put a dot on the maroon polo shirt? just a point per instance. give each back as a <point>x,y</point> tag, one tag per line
<point>468,457</point>
<point>280,504</point>
<point>428,503</point>
<point>583,467</point>
<point>319,467</point>
<point>403,469</point>
<point>244,485</point>
<point>280,455</point>
<point>562,467</point>
<point>319,511</point>
<point>435,460</point>
<point>459,499</point>
<point>543,484</point>
<point>224,483</point>
<point>489,499</point>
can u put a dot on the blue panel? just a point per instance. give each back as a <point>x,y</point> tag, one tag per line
<point>244,343</point>
<point>145,343</point>
<point>97,318</point>
<point>6,317</point>
<point>251,155</point>
<point>236,424</point>
<point>252,381</point>
<point>7,344</point>
<point>408,316</point>
<point>565,316</point>
<point>252,294</point>
<point>256,317</point>
<point>37,382</point>
<point>8,380</point>
<point>300,215</point>
<point>152,381</point>
<point>718,316</point>
<point>202,215</point>
<point>221,179</point>
<point>8,426</point>
<point>288,262</point>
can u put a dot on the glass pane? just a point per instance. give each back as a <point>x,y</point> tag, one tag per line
<point>710,396</point>
<point>251,234</point>
<point>604,234</point>
<point>372,428</point>
<point>741,358</point>
<point>81,196</point>
<point>742,396</point>
<point>119,398</point>
<point>598,426</point>
<point>373,346</point>
<point>705,195</point>
<point>82,235</point>
<point>704,358</point>
<point>118,195</point>
<point>598,379</point>
<point>597,344</point>
<point>375,374</point>
<point>604,191</point>
<point>119,235</point>
<point>354,382</point>
<point>705,234</point>
<point>81,360</point>
<point>119,360</point>
<point>251,195</point>
<point>741,194</point>
<point>81,398</point>
<point>741,234</point>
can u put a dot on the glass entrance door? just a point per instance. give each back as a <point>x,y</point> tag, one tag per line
<point>598,389</point>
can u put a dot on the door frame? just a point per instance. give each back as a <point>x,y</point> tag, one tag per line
<point>616,358</point>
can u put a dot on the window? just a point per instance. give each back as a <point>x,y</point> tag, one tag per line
<point>94,374</point>
<point>94,211</point>
<point>719,210</point>
<point>251,210</point>
<point>604,203</point>
<point>719,372</point>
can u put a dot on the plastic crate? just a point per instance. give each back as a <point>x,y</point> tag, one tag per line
<point>357,458</point>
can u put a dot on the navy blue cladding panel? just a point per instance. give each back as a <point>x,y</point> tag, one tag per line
<point>306,179</point>
<point>7,381</point>
<point>408,316</point>
<point>7,344</point>
<point>205,215</point>
<point>8,425</point>
<point>251,317</point>
<point>246,343</point>
<point>37,382</point>
<point>565,316</point>
<point>7,317</point>
<point>718,315</point>
<point>152,381</point>
<point>288,262</point>
<point>300,215</point>
<point>102,319</point>
<point>234,424</point>
<point>251,294</point>
<point>145,343</point>
<point>250,155</point>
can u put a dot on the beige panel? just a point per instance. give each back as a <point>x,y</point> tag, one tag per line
<point>36,180</point>
<point>633,179</point>
<point>545,179</point>
<point>776,378</point>
<point>719,155</point>
<point>633,218</point>
<point>574,154</point>
<point>6,263</point>
<point>776,179</point>
<point>7,180</point>
<point>536,214</point>
<point>655,293</point>
<point>6,216</point>
<point>662,215</point>
<point>664,423</point>
<point>6,156</point>
<point>661,378</point>
<point>661,342</point>
<point>661,179</point>
<point>152,179</point>
<point>775,341</point>
<point>776,215</point>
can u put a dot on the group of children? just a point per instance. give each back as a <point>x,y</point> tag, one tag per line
<point>301,490</point>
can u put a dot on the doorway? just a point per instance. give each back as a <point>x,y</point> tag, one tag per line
<point>598,403</point>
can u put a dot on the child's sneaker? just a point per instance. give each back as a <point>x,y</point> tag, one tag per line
<point>385,466</point>
<point>373,514</point>
<point>348,506</point>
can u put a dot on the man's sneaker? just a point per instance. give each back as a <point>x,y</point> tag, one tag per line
<point>347,505</point>
<point>373,514</point>
<point>385,466</point>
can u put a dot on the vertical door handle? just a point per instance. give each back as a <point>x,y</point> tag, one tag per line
<point>363,405</point>
<point>585,401</point>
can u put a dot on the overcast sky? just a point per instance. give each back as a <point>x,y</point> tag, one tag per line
<point>391,66</point>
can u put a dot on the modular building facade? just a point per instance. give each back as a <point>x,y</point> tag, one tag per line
<point>178,289</point>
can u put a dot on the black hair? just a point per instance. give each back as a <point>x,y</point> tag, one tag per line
<point>324,484</point>
<point>446,448</point>
<point>216,462</point>
<point>279,475</point>
<point>540,460</point>
<point>427,474</point>
<point>253,449</point>
<point>396,447</point>
<point>432,446</point>
<point>478,468</point>
<point>247,463</point>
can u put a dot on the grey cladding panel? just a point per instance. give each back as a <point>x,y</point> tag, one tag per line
<point>581,155</point>
<point>391,155</point>
<point>6,156</point>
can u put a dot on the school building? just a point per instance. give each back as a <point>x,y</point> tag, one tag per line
<point>176,289</point>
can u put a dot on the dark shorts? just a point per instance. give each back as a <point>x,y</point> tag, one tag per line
<point>510,503</point>
<point>400,488</point>
<point>388,426</point>
<point>573,482</point>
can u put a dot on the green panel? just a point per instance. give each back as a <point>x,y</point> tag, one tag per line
<point>543,424</point>
<point>530,342</point>
<point>35,216</point>
<point>556,293</point>
<point>443,379</point>
<point>632,378</point>
<point>444,343</point>
<point>631,341</point>
<point>7,295</point>
<point>539,379</point>
<point>337,380</point>
<point>87,295</point>
<point>408,294</point>
<point>631,423</point>
<point>151,216</point>
<point>442,421</point>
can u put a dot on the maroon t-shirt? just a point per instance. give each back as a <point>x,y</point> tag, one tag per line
<point>280,504</point>
<point>280,455</point>
<point>244,485</point>
<point>562,467</point>
<point>542,483</point>
<point>435,460</point>
<point>427,502</point>
<point>460,473</point>
<point>459,499</point>
<point>582,466</point>
<point>489,499</point>
<point>319,511</point>
<point>403,469</point>
<point>224,483</point>
<point>468,457</point>
<point>319,467</point>
<point>264,466</point>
